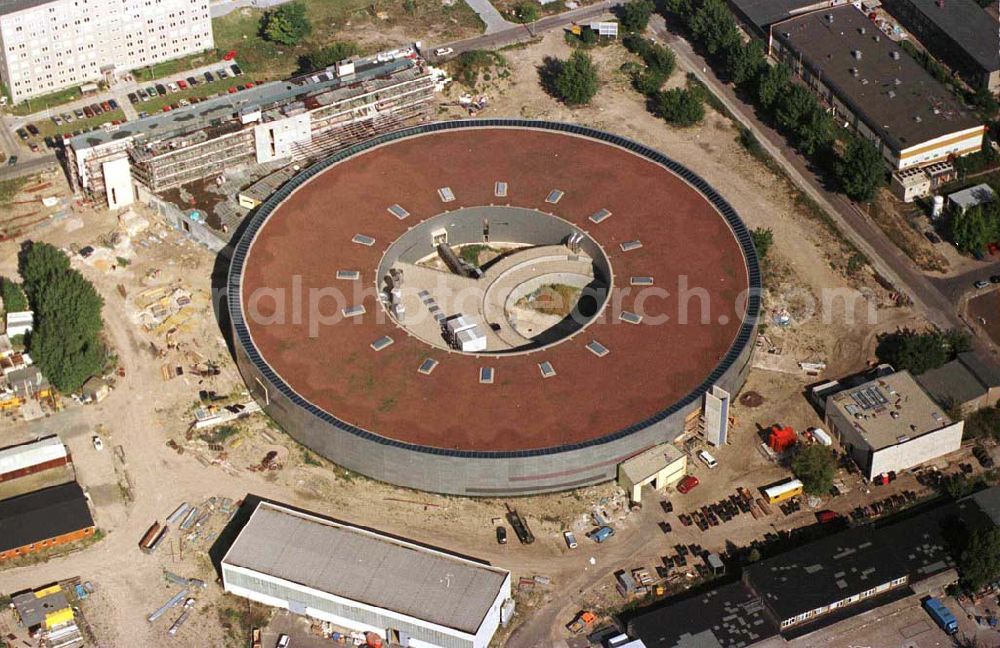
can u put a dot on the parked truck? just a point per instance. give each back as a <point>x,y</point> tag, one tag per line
<point>520,526</point>
<point>941,615</point>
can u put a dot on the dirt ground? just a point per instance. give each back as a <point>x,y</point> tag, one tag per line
<point>146,479</point>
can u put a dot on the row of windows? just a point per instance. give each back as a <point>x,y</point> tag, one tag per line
<point>843,602</point>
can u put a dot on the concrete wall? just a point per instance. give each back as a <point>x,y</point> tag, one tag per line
<point>918,450</point>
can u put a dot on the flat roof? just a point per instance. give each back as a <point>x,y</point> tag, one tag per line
<point>763,13</point>
<point>650,367</point>
<point>730,616</point>
<point>887,409</point>
<point>967,25</point>
<point>367,567</point>
<point>12,6</point>
<point>972,196</point>
<point>30,454</point>
<point>988,503</point>
<point>824,572</point>
<point>47,513</point>
<point>952,381</point>
<point>33,607</point>
<point>897,98</point>
<point>228,106</point>
<point>650,461</point>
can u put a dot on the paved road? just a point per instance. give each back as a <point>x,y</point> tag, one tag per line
<point>522,33</point>
<point>491,17</point>
<point>884,255</point>
<point>27,167</point>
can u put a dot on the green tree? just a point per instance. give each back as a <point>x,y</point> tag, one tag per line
<point>634,15</point>
<point>860,170</point>
<point>526,11</point>
<point>772,84</point>
<point>983,424</point>
<point>977,226</point>
<point>288,24</point>
<point>713,24</point>
<point>657,57</point>
<point>919,352</point>
<point>13,296</point>
<point>815,465</point>
<point>979,561</point>
<point>576,82</point>
<point>680,106</point>
<point>815,133</point>
<point>329,55</point>
<point>745,62</point>
<point>66,340</point>
<point>648,82</point>
<point>684,9</point>
<point>763,239</point>
<point>809,126</point>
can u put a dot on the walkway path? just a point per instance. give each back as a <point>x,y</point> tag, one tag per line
<point>491,17</point>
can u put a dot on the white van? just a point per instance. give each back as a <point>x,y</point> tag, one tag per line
<point>570,539</point>
<point>708,459</point>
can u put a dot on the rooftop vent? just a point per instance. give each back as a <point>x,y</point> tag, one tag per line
<point>877,39</point>
<point>897,81</point>
<point>829,18</point>
<point>856,54</point>
<point>892,94</point>
<point>895,55</point>
<point>862,30</point>
<point>854,72</point>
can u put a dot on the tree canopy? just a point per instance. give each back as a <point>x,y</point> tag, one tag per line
<point>288,24</point>
<point>526,11</point>
<point>658,58</point>
<point>329,55</point>
<point>634,15</point>
<point>13,296</point>
<point>680,106</point>
<point>576,81</point>
<point>860,170</point>
<point>66,340</point>
<point>979,560</point>
<point>713,24</point>
<point>763,239</point>
<point>976,227</point>
<point>815,465</point>
<point>915,352</point>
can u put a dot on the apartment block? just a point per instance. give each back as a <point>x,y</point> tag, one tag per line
<point>48,46</point>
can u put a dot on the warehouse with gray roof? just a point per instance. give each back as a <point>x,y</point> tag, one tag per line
<point>959,32</point>
<point>363,580</point>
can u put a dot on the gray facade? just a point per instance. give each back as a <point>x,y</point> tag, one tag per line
<point>482,473</point>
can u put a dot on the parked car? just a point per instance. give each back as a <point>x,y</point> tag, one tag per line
<point>79,113</point>
<point>98,444</point>
<point>133,98</point>
<point>192,81</point>
<point>12,160</point>
<point>982,283</point>
<point>236,69</point>
<point>172,87</point>
<point>68,117</point>
<point>86,251</point>
<point>687,484</point>
<point>88,113</point>
<point>222,74</point>
<point>708,459</point>
<point>501,535</point>
<point>32,129</point>
<point>250,84</point>
<point>232,90</point>
<point>443,51</point>
<point>994,278</point>
<point>34,147</point>
<point>182,84</point>
<point>570,539</point>
<point>23,134</point>
<point>106,106</point>
<point>983,457</point>
<point>283,641</point>
<point>96,108</point>
<point>208,77</point>
<point>167,109</point>
<point>161,89</point>
<point>56,119</point>
<point>113,104</point>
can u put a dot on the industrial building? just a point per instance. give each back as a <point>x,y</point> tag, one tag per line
<point>42,519</point>
<point>968,382</point>
<point>50,45</point>
<point>757,16</point>
<point>363,580</point>
<point>786,597</point>
<point>48,616</point>
<point>658,467</point>
<point>876,88</point>
<point>970,197</point>
<point>278,123</point>
<point>494,436</point>
<point>959,32</point>
<point>33,457</point>
<point>890,424</point>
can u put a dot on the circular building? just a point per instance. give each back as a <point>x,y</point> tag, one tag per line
<point>492,307</point>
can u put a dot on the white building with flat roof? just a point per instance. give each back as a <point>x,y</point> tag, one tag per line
<point>363,580</point>
<point>891,424</point>
<point>48,46</point>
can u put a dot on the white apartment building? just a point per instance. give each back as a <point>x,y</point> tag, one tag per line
<point>48,46</point>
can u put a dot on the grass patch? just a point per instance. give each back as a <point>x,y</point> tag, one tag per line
<point>10,188</point>
<point>240,29</point>
<point>471,253</point>
<point>220,434</point>
<point>310,459</point>
<point>52,100</point>
<point>48,128</point>
<point>175,66</point>
<point>553,299</point>
<point>469,66</point>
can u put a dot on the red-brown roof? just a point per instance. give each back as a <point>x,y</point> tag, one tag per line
<point>649,366</point>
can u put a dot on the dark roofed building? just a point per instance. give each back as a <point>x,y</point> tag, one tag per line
<point>759,15</point>
<point>823,577</point>
<point>970,382</point>
<point>877,88</point>
<point>42,519</point>
<point>959,32</point>
<point>729,616</point>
